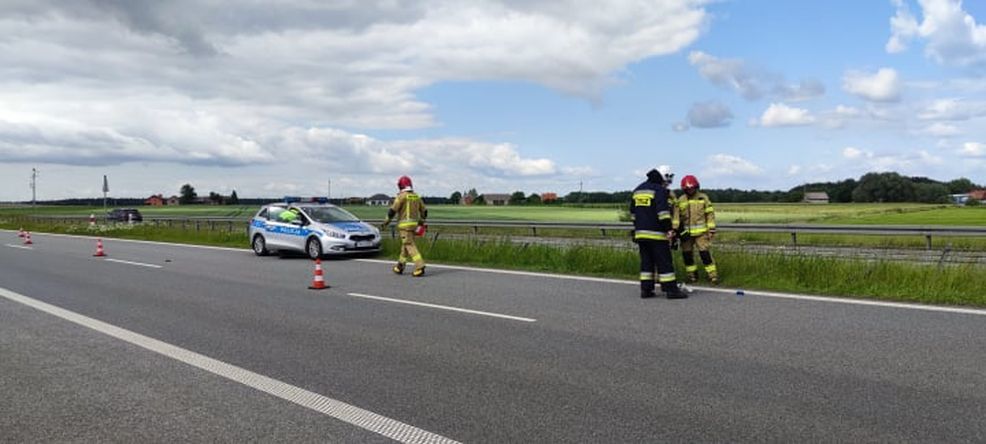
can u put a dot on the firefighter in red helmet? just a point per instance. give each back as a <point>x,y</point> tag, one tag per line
<point>411,213</point>
<point>697,223</point>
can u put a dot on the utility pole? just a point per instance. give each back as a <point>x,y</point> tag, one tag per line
<point>581,197</point>
<point>329,194</point>
<point>106,189</point>
<point>34,186</point>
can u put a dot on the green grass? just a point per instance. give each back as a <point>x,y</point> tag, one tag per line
<point>968,216</point>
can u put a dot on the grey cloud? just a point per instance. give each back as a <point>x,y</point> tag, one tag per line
<point>752,83</point>
<point>709,115</point>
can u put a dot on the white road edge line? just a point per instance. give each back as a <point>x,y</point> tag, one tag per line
<point>18,246</point>
<point>794,296</point>
<point>443,307</point>
<point>351,414</point>
<point>140,264</point>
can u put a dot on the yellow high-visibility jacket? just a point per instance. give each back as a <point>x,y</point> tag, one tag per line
<point>410,210</point>
<point>695,214</point>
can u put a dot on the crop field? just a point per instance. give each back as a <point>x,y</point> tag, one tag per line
<point>876,214</point>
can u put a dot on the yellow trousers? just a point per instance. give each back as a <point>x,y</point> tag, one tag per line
<point>409,251</point>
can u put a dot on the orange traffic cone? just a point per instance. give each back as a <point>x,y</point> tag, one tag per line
<point>318,282</point>
<point>99,248</point>
<point>27,238</point>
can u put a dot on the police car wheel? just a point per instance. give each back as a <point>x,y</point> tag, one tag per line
<point>260,246</point>
<point>314,248</point>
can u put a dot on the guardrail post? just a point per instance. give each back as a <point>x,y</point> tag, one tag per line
<point>534,230</point>
<point>475,229</point>
<point>230,226</point>
<point>794,238</point>
<point>602,231</point>
<point>196,225</point>
<point>927,238</point>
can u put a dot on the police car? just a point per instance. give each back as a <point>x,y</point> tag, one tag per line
<point>315,228</point>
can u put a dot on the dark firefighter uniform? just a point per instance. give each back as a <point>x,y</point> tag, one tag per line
<point>410,212</point>
<point>652,223</point>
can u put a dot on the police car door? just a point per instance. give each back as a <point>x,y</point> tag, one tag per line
<point>275,229</point>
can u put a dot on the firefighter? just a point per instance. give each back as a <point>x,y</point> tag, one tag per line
<point>652,231</point>
<point>412,214</point>
<point>698,228</point>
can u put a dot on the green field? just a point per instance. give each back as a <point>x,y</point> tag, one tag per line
<point>878,214</point>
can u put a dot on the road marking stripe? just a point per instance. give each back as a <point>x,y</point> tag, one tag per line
<point>351,414</point>
<point>794,296</point>
<point>18,246</point>
<point>141,264</point>
<point>443,307</point>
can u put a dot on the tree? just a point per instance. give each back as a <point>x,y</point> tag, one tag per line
<point>518,198</point>
<point>472,195</point>
<point>456,197</point>
<point>883,187</point>
<point>534,199</point>
<point>215,198</point>
<point>931,193</point>
<point>187,195</point>
<point>479,200</point>
<point>233,198</point>
<point>960,186</point>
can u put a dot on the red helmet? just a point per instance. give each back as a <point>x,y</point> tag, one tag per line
<point>403,182</point>
<point>689,181</point>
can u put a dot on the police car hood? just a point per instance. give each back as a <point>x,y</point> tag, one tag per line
<point>349,227</point>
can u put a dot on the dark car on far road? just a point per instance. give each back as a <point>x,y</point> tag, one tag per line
<point>124,215</point>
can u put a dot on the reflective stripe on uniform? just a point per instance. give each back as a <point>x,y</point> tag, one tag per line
<point>708,210</point>
<point>710,268</point>
<point>410,224</point>
<point>691,268</point>
<point>416,258</point>
<point>646,276</point>
<point>664,215</point>
<point>649,235</point>
<point>666,277</point>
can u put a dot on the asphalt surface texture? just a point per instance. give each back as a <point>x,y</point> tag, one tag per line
<point>565,360</point>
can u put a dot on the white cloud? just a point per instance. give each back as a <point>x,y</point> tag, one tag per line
<point>882,86</point>
<point>779,114</point>
<point>939,129</point>
<point>720,165</point>
<point>855,153</point>
<point>679,127</point>
<point>794,170</point>
<point>749,82</point>
<point>953,109</point>
<point>973,149</point>
<point>709,115</point>
<point>952,35</point>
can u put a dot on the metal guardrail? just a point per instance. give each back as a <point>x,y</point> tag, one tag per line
<point>927,231</point>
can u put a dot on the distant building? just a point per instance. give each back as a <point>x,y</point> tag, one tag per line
<point>174,200</point>
<point>155,201</point>
<point>378,200</point>
<point>979,195</point>
<point>819,197</point>
<point>549,197</point>
<point>497,199</point>
<point>354,201</point>
<point>959,199</point>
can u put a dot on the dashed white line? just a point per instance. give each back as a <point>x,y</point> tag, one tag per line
<point>443,307</point>
<point>342,411</point>
<point>18,246</point>
<point>139,264</point>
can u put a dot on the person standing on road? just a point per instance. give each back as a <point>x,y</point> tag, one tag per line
<point>698,228</point>
<point>412,214</point>
<point>653,229</point>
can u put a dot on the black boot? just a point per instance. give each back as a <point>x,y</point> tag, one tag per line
<point>676,293</point>
<point>645,294</point>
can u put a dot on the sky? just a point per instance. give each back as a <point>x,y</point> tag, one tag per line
<point>307,97</point>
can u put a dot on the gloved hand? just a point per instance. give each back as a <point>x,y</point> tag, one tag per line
<point>383,226</point>
<point>633,236</point>
<point>671,234</point>
<point>712,233</point>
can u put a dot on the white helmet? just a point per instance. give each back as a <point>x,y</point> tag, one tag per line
<point>666,173</point>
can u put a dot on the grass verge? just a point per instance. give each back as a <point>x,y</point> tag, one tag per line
<point>892,281</point>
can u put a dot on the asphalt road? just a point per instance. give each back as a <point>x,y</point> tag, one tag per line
<point>493,357</point>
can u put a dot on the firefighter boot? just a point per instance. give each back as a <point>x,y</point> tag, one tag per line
<point>692,277</point>
<point>398,268</point>
<point>418,272</point>
<point>645,294</point>
<point>675,293</point>
<point>714,278</point>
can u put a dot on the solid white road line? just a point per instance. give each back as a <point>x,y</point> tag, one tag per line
<point>351,414</point>
<point>140,264</point>
<point>794,296</point>
<point>444,307</point>
<point>18,246</point>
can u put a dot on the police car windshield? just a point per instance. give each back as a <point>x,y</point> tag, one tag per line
<point>329,214</point>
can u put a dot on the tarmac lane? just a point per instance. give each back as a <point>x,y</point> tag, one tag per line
<point>462,354</point>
